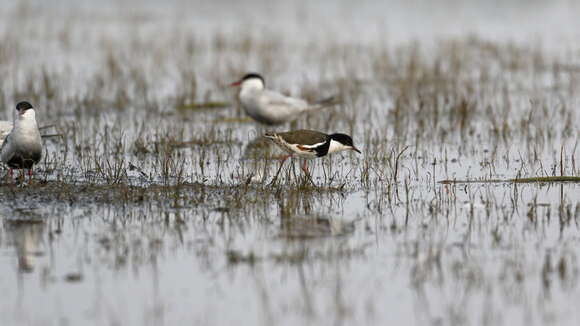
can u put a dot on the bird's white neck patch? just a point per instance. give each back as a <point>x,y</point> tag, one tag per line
<point>252,84</point>
<point>25,119</point>
<point>336,147</point>
<point>27,115</point>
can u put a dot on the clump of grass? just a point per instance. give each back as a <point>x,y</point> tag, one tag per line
<point>554,179</point>
<point>204,105</point>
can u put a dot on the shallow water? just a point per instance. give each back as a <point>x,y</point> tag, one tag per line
<point>151,210</point>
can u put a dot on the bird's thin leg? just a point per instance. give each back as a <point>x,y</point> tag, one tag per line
<point>29,175</point>
<point>305,166</point>
<point>282,160</point>
<point>306,172</point>
<point>10,174</point>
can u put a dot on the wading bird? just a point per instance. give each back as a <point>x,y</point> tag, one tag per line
<point>22,147</point>
<point>309,144</point>
<point>270,107</point>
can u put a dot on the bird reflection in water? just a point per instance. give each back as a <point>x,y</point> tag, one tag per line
<point>26,237</point>
<point>314,226</point>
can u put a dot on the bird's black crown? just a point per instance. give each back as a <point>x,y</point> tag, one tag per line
<point>254,75</point>
<point>23,106</point>
<point>343,139</point>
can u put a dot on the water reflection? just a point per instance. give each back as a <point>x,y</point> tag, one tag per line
<point>26,237</point>
<point>315,226</point>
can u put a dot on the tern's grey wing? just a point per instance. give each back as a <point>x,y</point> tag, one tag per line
<point>270,107</point>
<point>282,102</point>
<point>6,151</point>
<point>274,108</point>
<point>5,129</point>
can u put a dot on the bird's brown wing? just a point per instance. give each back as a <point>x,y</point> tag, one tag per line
<point>305,138</point>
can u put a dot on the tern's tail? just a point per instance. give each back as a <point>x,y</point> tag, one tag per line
<point>326,102</point>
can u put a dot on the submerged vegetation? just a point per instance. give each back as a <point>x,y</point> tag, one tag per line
<point>156,205</point>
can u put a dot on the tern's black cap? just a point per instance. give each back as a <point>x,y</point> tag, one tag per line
<point>254,75</point>
<point>23,106</point>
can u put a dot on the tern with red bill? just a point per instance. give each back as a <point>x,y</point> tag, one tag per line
<point>310,144</point>
<point>22,147</point>
<point>270,107</point>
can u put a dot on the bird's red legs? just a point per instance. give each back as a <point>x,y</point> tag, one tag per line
<point>282,160</point>
<point>30,175</point>
<point>306,172</point>
<point>305,166</point>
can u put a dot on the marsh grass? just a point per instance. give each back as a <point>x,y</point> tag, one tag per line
<point>519,180</point>
<point>435,96</point>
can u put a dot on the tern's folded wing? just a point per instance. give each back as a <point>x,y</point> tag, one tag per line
<point>6,151</point>
<point>283,103</point>
<point>5,129</point>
